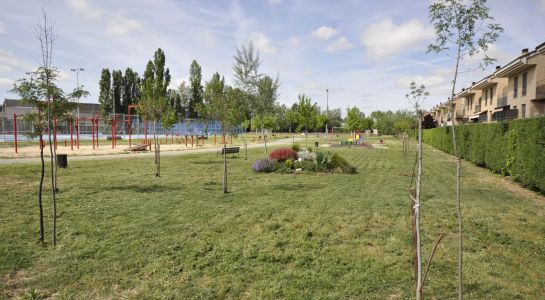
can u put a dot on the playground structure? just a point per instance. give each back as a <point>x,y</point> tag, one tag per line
<point>116,127</point>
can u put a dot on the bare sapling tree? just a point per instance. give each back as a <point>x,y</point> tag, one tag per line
<point>34,91</point>
<point>225,104</point>
<point>416,95</point>
<point>45,32</point>
<point>465,28</point>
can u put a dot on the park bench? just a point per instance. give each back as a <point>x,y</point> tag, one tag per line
<point>229,150</point>
<point>143,147</point>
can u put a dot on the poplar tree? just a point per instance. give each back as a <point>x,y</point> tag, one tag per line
<point>196,89</point>
<point>105,93</point>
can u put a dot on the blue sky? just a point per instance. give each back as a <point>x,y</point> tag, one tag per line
<point>365,52</point>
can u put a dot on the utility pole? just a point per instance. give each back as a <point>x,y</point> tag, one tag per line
<point>77,70</point>
<point>327,112</point>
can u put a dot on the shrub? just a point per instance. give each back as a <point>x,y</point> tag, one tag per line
<point>306,165</point>
<point>306,155</point>
<point>265,165</point>
<point>289,164</point>
<point>283,154</point>
<point>515,148</point>
<point>296,147</point>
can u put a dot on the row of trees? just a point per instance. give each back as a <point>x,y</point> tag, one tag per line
<point>118,90</point>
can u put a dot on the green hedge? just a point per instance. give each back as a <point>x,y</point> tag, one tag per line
<point>515,148</point>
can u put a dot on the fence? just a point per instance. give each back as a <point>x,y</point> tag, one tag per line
<point>90,127</point>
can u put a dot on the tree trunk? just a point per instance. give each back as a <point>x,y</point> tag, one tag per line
<point>417,212</point>
<point>458,186</point>
<point>224,168</point>
<point>157,150</point>
<point>52,168</point>
<point>42,175</point>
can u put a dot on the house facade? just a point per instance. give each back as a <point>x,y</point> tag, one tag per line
<point>516,90</point>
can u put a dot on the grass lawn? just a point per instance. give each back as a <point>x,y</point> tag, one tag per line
<point>125,234</point>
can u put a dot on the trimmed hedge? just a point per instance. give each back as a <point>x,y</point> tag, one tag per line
<point>515,148</point>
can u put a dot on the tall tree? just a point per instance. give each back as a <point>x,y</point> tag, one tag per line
<point>105,94</point>
<point>354,119</point>
<point>292,117</point>
<point>307,111</point>
<point>196,89</point>
<point>264,101</point>
<point>224,104</point>
<point>154,104</point>
<point>131,89</point>
<point>246,68</point>
<point>117,91</point>
<point>468,29</point>
<point>185,98</point>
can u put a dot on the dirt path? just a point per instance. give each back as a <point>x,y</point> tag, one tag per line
<point>166,151</point>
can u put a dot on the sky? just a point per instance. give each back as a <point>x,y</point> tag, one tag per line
<point>365,53</point>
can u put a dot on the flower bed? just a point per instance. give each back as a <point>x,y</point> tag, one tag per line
<point>285,160</point>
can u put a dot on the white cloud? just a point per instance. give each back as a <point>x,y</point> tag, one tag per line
<point>83,8</point>
<point>433,80</point>
<point>295,41</point>
<point>122,26</point>
<point>385,39</point>
<point>3,29</point>
<point>263,43</point>
<point>7,57</point>
<point>341,44</point>
<point>5,69</point>
<point>275,1</point>
<point>324,33</point>
<point>6,82</point>
<point>208,39</point>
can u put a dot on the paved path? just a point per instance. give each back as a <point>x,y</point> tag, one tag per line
<point>36,160</point>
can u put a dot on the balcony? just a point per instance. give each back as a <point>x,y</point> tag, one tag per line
<point>477,108</point>
<point>502,101</point>
<point>459,114</point>
<point>540,90</point>
<point>505,115</point>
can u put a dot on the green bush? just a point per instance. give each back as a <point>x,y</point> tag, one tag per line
<point>515,148</point>
<point>296,147</point>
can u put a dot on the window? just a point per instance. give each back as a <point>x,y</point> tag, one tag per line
<point>524,83</point>
<point>516,86</point>
<point>523,111</point>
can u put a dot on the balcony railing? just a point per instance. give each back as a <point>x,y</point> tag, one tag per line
<point>477,108</point>
<point>505,115</point>
<point>502,101</point>
<point>540,89</point>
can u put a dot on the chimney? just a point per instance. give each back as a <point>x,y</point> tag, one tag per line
<point>463,89</point>
<point>498,68</point>
<point>524,51</point>
<point>473,83</point>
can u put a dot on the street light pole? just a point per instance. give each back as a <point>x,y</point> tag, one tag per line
<point>327,112</point>
<point>77,70</point>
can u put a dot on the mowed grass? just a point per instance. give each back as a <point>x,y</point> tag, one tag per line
<point>125,234</point>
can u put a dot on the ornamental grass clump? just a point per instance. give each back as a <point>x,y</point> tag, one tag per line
<point>283,154</point>
<point>306,155</point>
<point>265,165</point>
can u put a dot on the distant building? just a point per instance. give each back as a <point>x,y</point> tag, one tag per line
<point>514,91</point>
<point>21,108</point>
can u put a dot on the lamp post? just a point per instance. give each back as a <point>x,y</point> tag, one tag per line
<point>77,70</point>
<point>327,112</point>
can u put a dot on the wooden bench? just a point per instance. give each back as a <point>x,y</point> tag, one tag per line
<point>143,147</point>
<point>229,150</point>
